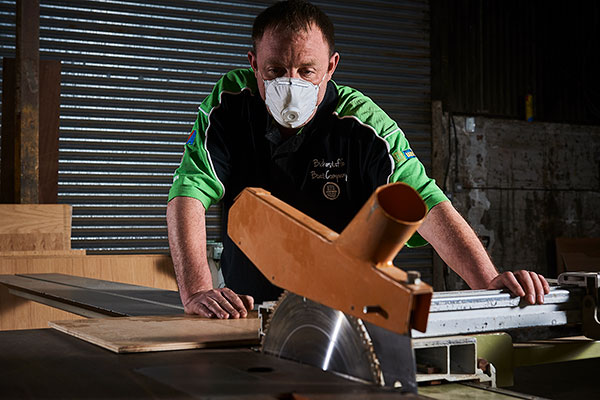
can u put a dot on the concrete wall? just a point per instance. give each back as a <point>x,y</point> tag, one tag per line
<point>520,185</point>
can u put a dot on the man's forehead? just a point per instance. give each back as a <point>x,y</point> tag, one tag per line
<point>308,62</point>
<point>280,38</point>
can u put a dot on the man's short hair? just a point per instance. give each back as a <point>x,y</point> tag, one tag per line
<point>292,16</point>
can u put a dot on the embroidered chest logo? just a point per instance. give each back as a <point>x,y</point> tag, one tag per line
<point>332,172</point>
<point>329,170</point>
<point>331,191</point>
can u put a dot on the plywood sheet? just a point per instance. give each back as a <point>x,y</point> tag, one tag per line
<point>144,334</point>
<point>30,227</point>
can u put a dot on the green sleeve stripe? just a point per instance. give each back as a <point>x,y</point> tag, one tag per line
<point>410,170</point>
<point>233,82</point>
<point>354,103</point>
<point>391,133</point>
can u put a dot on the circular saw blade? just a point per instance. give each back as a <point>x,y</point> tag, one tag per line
<point>308,332</point>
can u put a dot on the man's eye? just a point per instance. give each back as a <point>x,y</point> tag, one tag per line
<point>274,71</point>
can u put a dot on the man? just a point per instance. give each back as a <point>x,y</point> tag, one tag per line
<point>285,126</point>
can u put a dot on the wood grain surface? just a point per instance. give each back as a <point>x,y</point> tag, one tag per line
<point>28,227</point>
<point>30,253</point>
<point>161,333</point>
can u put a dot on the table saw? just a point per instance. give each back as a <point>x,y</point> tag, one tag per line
<point>364,329</point>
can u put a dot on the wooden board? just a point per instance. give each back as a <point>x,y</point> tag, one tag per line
<point>35,227</point>
<point>144,334</point>
<point>45,253</point>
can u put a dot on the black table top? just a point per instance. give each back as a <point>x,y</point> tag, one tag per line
<point>44,363</point>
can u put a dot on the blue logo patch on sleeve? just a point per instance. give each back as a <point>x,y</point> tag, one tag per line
<point>409,154</point>
<point>191,138</point>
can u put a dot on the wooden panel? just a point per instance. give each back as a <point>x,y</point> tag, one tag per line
<point>152,270</point>
<point>142,334</point>
<point>35,227</point>
<point>29,253</point>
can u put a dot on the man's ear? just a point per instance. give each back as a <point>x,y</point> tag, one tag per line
<point>333,62</point>
<point>252,61</point>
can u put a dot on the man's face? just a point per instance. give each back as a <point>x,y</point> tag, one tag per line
<point>303,55</point>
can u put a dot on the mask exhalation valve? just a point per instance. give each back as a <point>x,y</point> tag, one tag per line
<point>290,114</point>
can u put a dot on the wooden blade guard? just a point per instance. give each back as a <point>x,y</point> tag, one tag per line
<point>351,271</point>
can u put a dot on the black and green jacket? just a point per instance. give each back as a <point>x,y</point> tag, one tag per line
<point>328,170</point>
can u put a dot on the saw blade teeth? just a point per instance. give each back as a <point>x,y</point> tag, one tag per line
<point>266,323</point>
<point>375,364</point>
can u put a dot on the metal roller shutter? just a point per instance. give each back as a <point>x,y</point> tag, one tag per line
<point>134,73</point>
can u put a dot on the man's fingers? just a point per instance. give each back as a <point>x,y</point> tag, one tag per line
<point>248,301</point>
<point>530,285</point>
<point>512,284</point>
<point>527,284</point>
<point>196,307</point>
<point>539,289</point>
<point>235,300</point>
<point>219,303</point>
<point>203,311</point>
<point>544,284</point>
<point>220,306</point>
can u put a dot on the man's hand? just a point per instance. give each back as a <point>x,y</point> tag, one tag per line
<point>219,303</point>
<point>187,241</point>
<point>460,248</point>
<point>522,283</point>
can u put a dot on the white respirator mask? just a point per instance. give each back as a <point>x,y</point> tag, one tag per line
<point>291,101</point>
